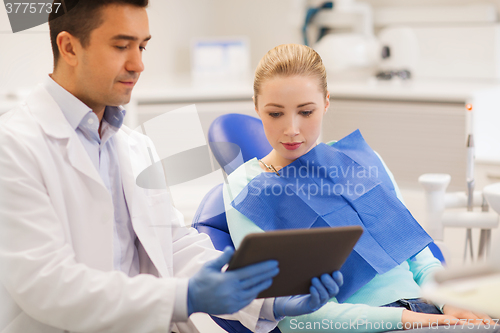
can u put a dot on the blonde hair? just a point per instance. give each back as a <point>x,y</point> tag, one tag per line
<point>290,60</point>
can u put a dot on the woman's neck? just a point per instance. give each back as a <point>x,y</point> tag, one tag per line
<point>276,160</point>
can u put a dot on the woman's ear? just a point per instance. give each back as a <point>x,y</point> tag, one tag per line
<point>256,110</point>
<point>327,102</point>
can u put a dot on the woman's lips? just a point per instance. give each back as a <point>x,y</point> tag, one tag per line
<point>292,145</point>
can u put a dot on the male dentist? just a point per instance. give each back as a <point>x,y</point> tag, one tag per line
<point>82,247</point>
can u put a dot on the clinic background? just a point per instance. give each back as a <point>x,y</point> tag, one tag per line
<point>424,116</point>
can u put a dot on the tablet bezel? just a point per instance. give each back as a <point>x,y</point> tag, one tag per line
<point>302,254</point>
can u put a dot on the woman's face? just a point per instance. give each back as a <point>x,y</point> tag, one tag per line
<point>292,109</point>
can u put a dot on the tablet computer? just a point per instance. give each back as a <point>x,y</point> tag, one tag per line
<point>302,254</point>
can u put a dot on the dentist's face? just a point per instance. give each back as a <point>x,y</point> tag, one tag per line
<point>109,67</point>
<point>292,109</point>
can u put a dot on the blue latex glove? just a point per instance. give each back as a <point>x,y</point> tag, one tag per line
<point>215,292</point>
<point>320,293</point>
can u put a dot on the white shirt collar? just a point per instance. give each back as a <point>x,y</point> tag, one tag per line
<point>75,110</point>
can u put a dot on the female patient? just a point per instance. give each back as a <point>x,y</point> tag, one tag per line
<point>291,97</point>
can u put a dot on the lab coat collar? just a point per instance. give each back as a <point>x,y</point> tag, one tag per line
<point>72,108</point>
<point>49,116</point>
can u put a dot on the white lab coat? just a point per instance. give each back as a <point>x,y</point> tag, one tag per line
<point>56,234</point>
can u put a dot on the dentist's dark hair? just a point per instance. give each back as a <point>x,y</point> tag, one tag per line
<point>80,18</point>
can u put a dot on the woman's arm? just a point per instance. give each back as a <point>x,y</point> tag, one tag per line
<point>423,266</point>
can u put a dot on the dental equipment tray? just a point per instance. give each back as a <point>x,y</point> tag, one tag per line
<point>302,254</point>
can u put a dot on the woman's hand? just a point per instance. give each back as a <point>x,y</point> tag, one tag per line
<point>471,317</point>
<point>321,291</point>
<point>412,320</point>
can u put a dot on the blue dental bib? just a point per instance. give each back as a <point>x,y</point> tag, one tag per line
<point>340,185</point>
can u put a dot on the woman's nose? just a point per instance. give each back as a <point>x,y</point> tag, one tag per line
<point>292,128</point>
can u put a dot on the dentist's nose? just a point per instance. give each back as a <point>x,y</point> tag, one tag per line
<point>134,63</point>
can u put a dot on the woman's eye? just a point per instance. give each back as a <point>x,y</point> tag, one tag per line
<point>275,114</point>
<point>306,113</point>
<point>121,47</point>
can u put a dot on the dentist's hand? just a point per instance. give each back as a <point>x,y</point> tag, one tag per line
<point>215,292</point>
<point>320,293</point>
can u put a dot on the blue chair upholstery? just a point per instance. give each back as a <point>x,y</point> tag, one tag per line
<point>210,218</point>
<point>231,326</point>
<point>245,135</point>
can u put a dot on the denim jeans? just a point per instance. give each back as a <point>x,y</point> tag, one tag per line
<point>414,304</point>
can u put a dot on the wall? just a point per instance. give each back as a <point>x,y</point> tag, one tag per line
<point>176,24</point>
<point>26,57</point>
<point>428,2</point>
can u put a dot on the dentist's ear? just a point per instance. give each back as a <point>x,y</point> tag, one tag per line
<point>69,47</point>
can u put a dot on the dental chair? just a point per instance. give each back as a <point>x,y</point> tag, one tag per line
<point>236,138</point>
<point>247,140</point>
